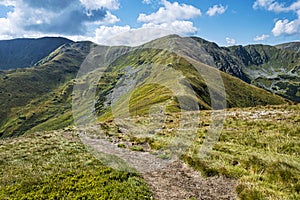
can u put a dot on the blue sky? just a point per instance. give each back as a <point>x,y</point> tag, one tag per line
<point>131,22</point>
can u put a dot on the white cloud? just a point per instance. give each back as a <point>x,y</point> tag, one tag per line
<point>282,26</point>
<point>96,4</point>
<point>216,9</point>
<point>103,33</point>
<point>171,12</point>
<point>173,17</point>
<point>134,36</point>
<point>230,41</point>
<point>286,27</point>
<point>270,5</point>
<point>295,5</point>
<point>261,37</point>
<point>175,27</point>
<point>29,18</point>
<point>108,19</point>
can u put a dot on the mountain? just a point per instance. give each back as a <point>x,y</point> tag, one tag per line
<point>272,68</point>
<point>292,46</point>
<point>21,53</point>
<point>31,96</point>
<point>42,97</point>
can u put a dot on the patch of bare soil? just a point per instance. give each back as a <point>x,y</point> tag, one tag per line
<point>178,181</point>
<point>167,179</point>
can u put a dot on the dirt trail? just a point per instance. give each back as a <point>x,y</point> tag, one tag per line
<point>168,180</point>
<point>178,181</point>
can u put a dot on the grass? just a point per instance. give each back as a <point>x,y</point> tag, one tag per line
<point>44,87</point>
<point>260,150</point>
<point>259,147</point>
<point>56,165</point>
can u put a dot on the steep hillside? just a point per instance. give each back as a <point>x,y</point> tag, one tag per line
<point>20,53</point>
<point>158,76</point>
<point>272,68</point>
<point>275,69</point>
<point>39,89</point>
<point>292,46</point>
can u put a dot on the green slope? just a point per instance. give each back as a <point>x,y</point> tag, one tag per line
<point>258,147</point>
<point>39,88</point>
<point>152,76</point>
<point>56,165</point>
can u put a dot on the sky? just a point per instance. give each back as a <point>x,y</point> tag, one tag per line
<point>132,22</point>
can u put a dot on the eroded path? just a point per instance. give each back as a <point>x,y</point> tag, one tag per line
<point>168,180</point>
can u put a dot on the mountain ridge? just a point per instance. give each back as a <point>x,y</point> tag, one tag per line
<point>25,52</point>
<point>54,77</point>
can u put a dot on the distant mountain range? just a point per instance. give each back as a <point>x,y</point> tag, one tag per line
<point>20,53</point>
<point>40,97</point>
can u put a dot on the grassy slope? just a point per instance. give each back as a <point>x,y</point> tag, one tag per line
<point>56,165</point>
<point>258,146</point>
<point>238,93</point>
<point>39,87</point>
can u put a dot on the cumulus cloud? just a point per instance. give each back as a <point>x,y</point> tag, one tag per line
<point>282,26</point>
<point>103,33</point>
<point>172,16</point>
<point>216,9</point>
<point>96,4</point>
<point>93,20</point>
<point>270,5</point>
<point>230,41</point>
<point>261,37</point>
<point>171,12</point>
<point>175,27</point>
<point>108,19</point>
<point>68,17</point>
<point>286,27</point>
<point>131,36</point>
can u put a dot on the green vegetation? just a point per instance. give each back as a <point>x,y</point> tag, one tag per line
<point>56,165</point>
<point>40,93</point>
<point>160,75</point>
<point>259,146</point>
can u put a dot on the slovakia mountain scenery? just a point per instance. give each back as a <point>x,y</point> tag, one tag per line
<point>150,99</point>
